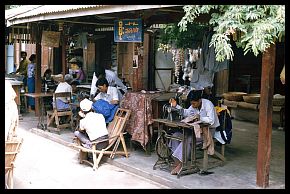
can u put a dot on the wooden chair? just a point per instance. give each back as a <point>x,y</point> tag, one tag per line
<point>116,131</point>
<point>56,114</point>
<point>12,148</point>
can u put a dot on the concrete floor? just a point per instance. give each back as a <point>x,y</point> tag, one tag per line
<point>50,165</point>
<point>238,172</point>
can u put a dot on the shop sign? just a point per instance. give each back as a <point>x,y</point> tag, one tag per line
<point>50,39</point>
<point>128,30</point>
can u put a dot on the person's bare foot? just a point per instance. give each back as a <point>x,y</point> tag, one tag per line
<point>177,169</point>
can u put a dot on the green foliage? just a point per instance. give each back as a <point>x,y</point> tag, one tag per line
<point>253,27</point>
<point>181,39</point>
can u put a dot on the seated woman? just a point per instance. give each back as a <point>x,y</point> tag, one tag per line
<point>81,77</point>
<point>205,111</point>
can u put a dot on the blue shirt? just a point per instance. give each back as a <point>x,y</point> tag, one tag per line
<point>30,70</point>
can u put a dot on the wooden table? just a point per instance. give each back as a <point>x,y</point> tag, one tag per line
<point>188,167</point>
<point>41,124</point>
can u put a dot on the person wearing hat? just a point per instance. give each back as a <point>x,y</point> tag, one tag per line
<point>92,127</point>
<point>64,86</point>
<point>203,110</point>
<point>80,74</point>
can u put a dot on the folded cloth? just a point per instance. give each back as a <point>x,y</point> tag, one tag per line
<point>190,121</point>
<point>206,135</point>
<point>207,141</point>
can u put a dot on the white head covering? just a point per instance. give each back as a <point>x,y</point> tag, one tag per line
<point>86,105</point>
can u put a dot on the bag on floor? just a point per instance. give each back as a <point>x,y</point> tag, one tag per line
<point>225,128</point>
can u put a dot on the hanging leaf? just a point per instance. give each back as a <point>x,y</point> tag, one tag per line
<point>260,26</point>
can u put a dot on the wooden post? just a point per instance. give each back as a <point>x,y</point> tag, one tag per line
<point>265,117</point>
<point>63,50</point>
<point>38,33</point>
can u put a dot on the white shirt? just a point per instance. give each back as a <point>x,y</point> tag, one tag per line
<point>207,113</point>
<point>94,124</point>
<point>63,87</point>
<point>112,94</point>
<point>112,79</point>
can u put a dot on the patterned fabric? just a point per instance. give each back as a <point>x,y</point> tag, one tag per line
<point>141,115</point>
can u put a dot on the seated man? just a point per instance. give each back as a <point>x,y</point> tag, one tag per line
<point>112,79</point>
<point>92,126</point>
<point>205,111</point>
<point>64,86</point>
<point>107,93</point>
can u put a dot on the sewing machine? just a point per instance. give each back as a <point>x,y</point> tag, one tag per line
<point>172,113</point>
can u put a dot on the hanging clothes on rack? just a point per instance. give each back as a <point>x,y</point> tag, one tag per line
<point>206,66</point>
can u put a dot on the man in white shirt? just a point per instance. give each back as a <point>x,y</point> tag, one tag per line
<point>64,86</point>
<point>112,79</point>
<point>205,111</point>
<point>107,93</point>
<point>92,126</point>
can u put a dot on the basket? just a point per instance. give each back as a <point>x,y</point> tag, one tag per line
<point>252,98</point>
<point>278,100</point>
<point>234,96</point>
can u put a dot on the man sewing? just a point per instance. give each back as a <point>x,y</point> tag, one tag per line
<point>107,93</point>
<point>203,110</point>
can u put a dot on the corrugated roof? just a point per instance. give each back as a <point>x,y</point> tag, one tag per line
<point>37,10</point>
<point>9,13</point>
<point>56,9</point>
<point>51,12</point>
